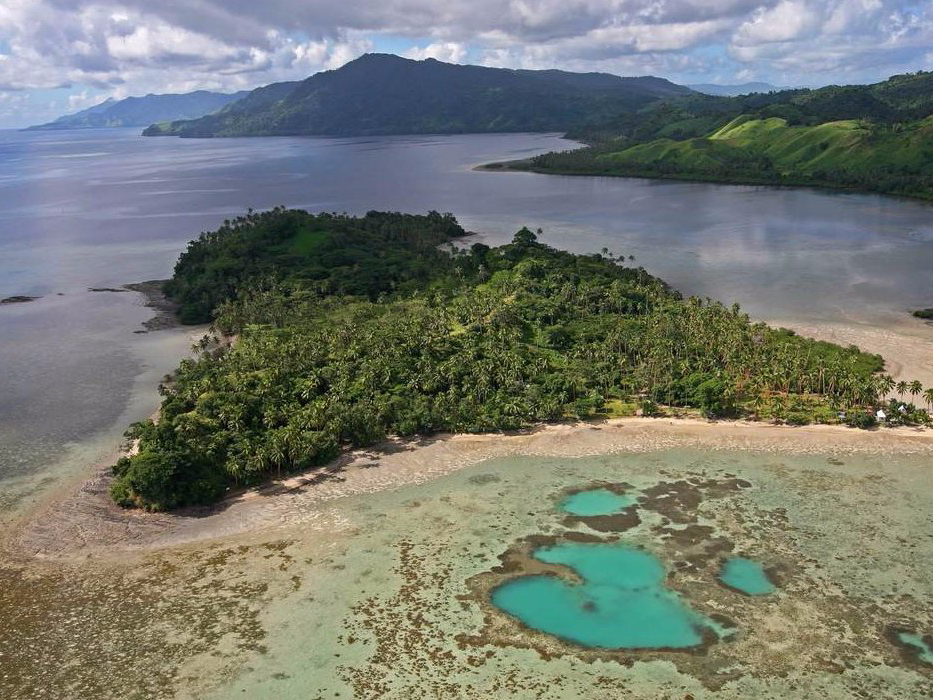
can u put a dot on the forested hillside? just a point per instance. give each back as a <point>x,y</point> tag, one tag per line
<point>386,94</point>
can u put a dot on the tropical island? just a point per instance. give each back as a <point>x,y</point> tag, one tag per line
<point>340,331</point>
<point>875,138</point>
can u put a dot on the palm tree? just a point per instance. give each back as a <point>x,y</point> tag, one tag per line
<point>886,385</point>
<point>916,388</point>
<point>902,388</point>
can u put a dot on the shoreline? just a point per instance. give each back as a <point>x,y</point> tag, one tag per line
<point>87,524</point>
<point>525,165</point>
<point>97,451</point>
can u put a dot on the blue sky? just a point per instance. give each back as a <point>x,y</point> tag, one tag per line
<point>58,56</point>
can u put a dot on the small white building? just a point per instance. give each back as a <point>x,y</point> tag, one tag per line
<point>881,415</point>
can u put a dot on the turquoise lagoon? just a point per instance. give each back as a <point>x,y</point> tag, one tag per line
<point>595,502</point>
<point>621,604</point>
<point>746,575</point>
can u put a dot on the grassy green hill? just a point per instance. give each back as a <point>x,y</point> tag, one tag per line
<point>875,137</point>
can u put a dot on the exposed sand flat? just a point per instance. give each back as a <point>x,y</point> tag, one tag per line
<point>87,523</point>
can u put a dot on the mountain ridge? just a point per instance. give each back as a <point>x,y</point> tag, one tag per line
<point>386,94</point>
<point>143,110</point>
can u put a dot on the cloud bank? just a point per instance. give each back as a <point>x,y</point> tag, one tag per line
<point>77,52</point>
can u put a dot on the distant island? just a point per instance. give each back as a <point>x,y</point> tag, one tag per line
<point>142,111</point>
<point>876,138</point>
<point>387,94</point>
<point>335,331</point>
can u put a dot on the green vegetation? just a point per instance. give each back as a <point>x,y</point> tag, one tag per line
<point>874,138</point>
<point>385,94</point>
<point>924,313</point>
<point>351,329</point>
<point>330,254</point>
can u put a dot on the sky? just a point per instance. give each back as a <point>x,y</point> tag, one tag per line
<point>59,56</point>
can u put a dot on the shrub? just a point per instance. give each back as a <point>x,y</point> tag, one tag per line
<point>144,479</point>
<point>861,419</point>
<point>649,408</point>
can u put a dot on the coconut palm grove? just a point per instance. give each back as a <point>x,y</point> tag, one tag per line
<point>331,331</point>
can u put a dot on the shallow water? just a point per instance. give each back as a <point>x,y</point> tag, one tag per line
<point>621,602</point>
<point>368,596</point>
<point>384,609</point>
<point>746,575</point>
<point>596,502</point>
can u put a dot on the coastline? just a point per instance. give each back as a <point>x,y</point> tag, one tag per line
<point>94,526</point>
<point>525,165</point>
<point>87,524</point>
<point>88,461</point>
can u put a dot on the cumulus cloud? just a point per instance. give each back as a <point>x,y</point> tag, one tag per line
<point>449,51</point>
<point>119,47</point>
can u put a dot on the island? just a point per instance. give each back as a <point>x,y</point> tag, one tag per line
<point>332,331</point>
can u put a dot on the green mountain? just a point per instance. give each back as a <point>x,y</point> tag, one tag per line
<point>140,111</point>
<point>867,137</point>
<point>386,94</point>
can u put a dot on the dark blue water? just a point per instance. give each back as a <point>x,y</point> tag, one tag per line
<point>102,208</point>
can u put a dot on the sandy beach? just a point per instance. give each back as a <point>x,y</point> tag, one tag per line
<point>86,524</point>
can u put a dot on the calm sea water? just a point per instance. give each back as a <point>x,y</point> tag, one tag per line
<point>103,208</point>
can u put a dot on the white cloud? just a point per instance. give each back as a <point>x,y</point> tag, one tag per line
<point>449,51</point>
<point>83,100</point>
<point>120,47</point>
<point>786,21</point>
